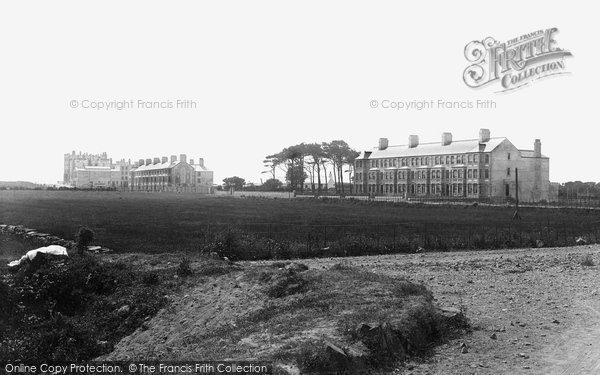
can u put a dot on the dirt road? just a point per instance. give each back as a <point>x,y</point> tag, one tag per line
<point>534,311</point>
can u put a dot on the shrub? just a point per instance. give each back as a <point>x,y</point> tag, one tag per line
<point>151,278</point>
<point>587,261</point>
<point>66,306</point>
<point>84,237</point>
<point>284,283</point>
<point>185,268</point>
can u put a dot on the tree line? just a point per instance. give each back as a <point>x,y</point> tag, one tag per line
<point>313,161</point>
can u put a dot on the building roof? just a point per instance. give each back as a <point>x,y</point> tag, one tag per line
<point>153,167</point>
<point>200,168</point>
<point>432,148</point>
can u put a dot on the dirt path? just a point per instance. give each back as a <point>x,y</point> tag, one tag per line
<point>534,311</point>
<point>576,351</point>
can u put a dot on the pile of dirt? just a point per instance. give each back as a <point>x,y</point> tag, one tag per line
<point>301,319</point>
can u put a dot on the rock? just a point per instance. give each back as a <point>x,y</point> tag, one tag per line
<point>555,321</point>
<point>493,336</point>
<point>464,350</point>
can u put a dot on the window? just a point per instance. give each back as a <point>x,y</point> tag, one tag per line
<point>487,173</point>
<point>487,159</point>
<point>509,156</point>
<point>469,174</point>
<point>508,172</point>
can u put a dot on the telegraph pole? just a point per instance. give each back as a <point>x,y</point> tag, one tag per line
<point>516,215</point>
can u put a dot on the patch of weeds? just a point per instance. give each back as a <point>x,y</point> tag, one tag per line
<point>151,278</point>
<point>285,283</point>
<point>342,265</point>
<point>185,267</point>
<point>72,309</point>
<point>587,261</point>
<point>315,357</point>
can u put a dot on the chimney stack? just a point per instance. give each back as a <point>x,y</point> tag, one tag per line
<point>201,162</point>
<point>484,135</point>
<point>148,161</point>
<point>191,161</point>
<point>164,159</point>
<point>156,161</point>
<point>173,159</point>
<point>383,143</point>
<point>140,162</point>
<point>537,149</point>
<point>413,141</point>
<point>183,158</point>
<point>446,138</point>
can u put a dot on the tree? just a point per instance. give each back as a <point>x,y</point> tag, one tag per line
<point>272,184</point>
<point>315,151</point>
<point>295,177</point>
<point>233,182</point>
<point>290,157</point>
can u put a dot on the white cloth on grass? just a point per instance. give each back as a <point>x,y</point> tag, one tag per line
<point>31,254</point>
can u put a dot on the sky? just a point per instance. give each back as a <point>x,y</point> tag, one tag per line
<point>268,74</point>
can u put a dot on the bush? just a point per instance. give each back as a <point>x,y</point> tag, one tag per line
<point>284,283</point>
<point>185,268</point>
<point>151,278</point>
<point>83,238</point>
<point>66,306</point>
<point>587,261</point>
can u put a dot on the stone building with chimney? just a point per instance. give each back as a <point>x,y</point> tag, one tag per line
<point>171,174</point>
<point>97,171</point>
<point>485,167</point>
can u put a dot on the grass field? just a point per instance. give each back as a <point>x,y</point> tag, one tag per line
<point>166,222</point>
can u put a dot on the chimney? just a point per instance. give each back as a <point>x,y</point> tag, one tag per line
<point>446,139</point>
<point>201,162</point>
<point>140,162</point>
<point>383,143</point>
<point>537,149</point>
<point>183,158</point>
<point>148,161</point>
<point>484,135</point>
<point>156,160</point>
<point>413,141</point>
<point>164,159</point>
<point>192,161</point>
<point>173,159</point>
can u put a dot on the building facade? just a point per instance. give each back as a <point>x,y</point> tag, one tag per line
<point>97,171</point>
<point>164,174</point>
<point>477,168</point>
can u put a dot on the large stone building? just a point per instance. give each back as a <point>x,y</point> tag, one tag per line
<point>164,174</point>
<point>97,171</point>
<point>94,171</point>
<point>476,168</point>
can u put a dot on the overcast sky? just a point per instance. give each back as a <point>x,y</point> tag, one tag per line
<point>268,74</point>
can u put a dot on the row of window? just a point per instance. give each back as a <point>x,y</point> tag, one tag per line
<point>424,161</point>
<point>426,174</point>
<point>423,189</point>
